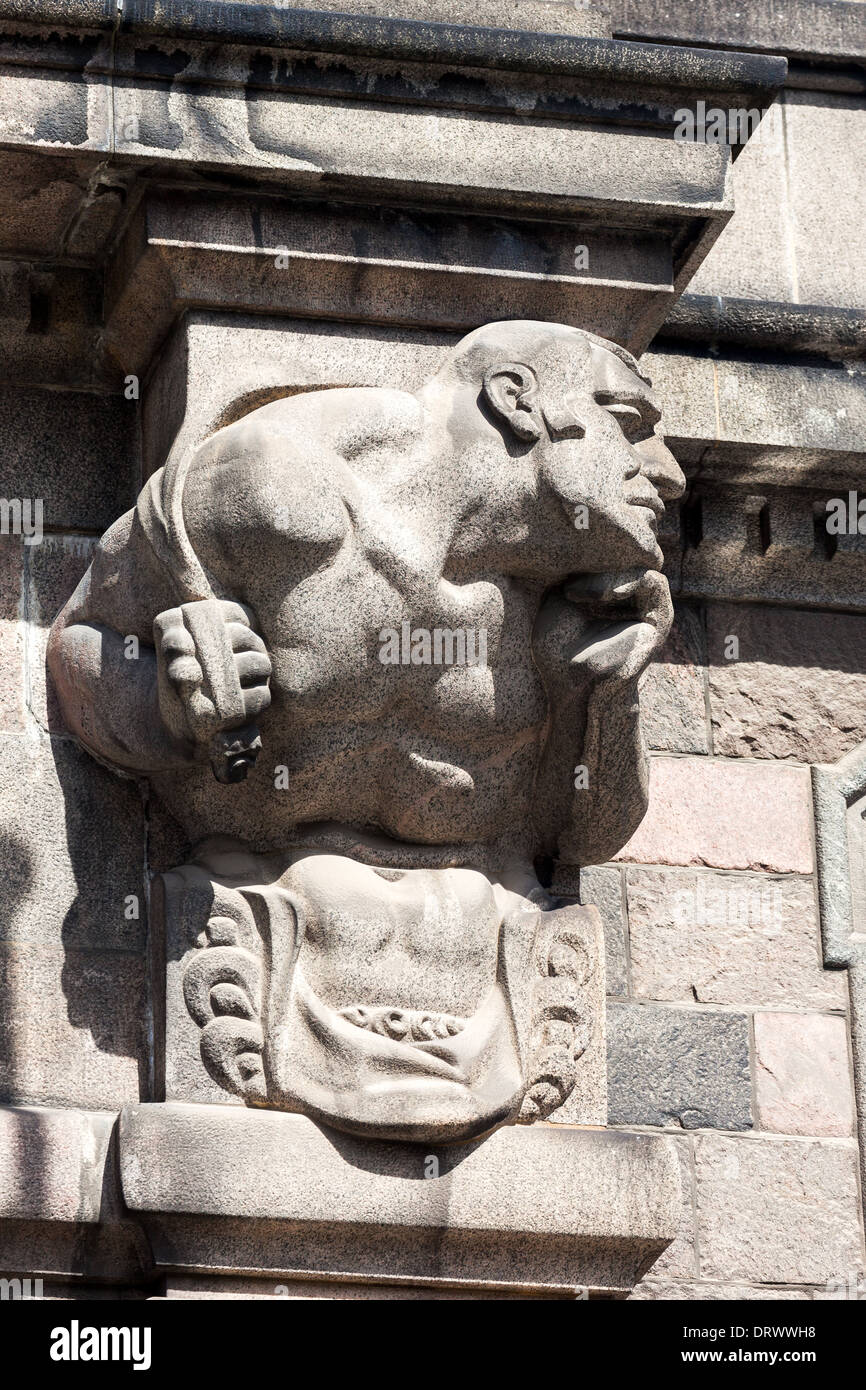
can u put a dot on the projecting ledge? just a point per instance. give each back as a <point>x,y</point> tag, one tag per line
<point>231,1190</point>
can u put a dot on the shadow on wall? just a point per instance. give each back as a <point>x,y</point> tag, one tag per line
<point>73,928</point>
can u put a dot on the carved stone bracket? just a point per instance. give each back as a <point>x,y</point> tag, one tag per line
<point>262,977</point>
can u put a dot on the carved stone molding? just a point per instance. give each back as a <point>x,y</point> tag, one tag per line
<point>840,841</point>
<point>541,1210</point>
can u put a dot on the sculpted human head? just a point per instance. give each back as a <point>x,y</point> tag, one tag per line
<point>580,423</point>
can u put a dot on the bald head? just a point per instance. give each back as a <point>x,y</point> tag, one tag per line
<point>531,342</point>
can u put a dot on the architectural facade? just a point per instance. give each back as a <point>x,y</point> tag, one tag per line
<point>433,641</point>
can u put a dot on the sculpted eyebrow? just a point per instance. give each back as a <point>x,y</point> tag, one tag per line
<point>635,398</point>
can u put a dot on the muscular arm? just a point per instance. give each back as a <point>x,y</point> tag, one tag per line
<point>109,696</point>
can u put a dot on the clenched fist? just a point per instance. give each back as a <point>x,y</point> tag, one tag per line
<point>213,671</point>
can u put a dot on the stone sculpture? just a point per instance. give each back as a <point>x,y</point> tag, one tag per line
<point>386,659</point>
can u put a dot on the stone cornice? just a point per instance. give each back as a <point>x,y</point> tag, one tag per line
<point>755,76</point>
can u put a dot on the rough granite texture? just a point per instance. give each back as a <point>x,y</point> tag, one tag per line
<point>404,225</point>
<point>265,1182</point>
<point>725,815</point>
<point>777,1211</point>
<point>681,1067</point>
<point>802,1077</point>
<point>11,636</point>
<point>797,688</point>
<point>603,888</point>
<point>717,938</point>
<point>672,691</point>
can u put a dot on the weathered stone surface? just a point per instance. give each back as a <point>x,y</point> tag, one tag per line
<point>802,1074</point>
<point>727,939</point>
<point>670,1066</point>
<point>540,1206</point>
<point>758,543</point>
<point>725,815</point>
<point>261,1002</point>
<point>762,402</point>
<point>672,690</point>
<point>803,28</point>
<point>546,16</point>
<point>651,1291</point>
<point>93,477</point>
<point>746,411</point>
<point>71,1025</point>
<point>11,637</point>
<point>680,1260</point>
<point>297,1290</point>
<point>79,882</point>
<point>826,146</point>
<point>603,888</point>
<point>782,1211</point>
<point>52,1163</point>
<point>60,1208</point>
<point>797,688</point>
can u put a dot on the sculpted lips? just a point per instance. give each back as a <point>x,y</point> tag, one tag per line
<point>650,501</point>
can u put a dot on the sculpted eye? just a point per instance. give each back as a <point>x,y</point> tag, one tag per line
<point>631,421</point>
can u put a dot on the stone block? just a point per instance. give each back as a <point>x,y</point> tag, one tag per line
<point>602,887</point>
<point>802,28</point>
<point>726,816</point>
<point>528,1207</point>
<point>686,382</point>
<point>685,1067</point>
<point>727,939</point>
<point>763,403</point>
<point>802,1074</point>
<point>777,1211</point>
<point>41,198</point>
<point>77,452</point>
<point>797,688</point>
<point>11,636</point>
<point>751,259</point>
<point>60,1209</point>
<point>673,700</point>
<point>73,848</point>
<point>826,149</point>
<point>71,1025</point>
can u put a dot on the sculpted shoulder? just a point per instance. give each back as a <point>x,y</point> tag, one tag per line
<point>286,472</point>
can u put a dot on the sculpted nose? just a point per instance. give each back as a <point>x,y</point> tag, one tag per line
<point>661,469</point>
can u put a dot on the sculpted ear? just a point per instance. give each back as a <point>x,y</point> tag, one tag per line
<point>511,392</point>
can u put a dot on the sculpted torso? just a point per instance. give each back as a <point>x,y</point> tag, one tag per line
<point>339,516</point>
<point>427,752</point>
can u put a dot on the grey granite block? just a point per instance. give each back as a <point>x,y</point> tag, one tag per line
<point>678,1067</point>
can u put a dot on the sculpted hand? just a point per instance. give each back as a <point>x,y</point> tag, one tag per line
<point>620,650</point>
<point>213,671</point>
